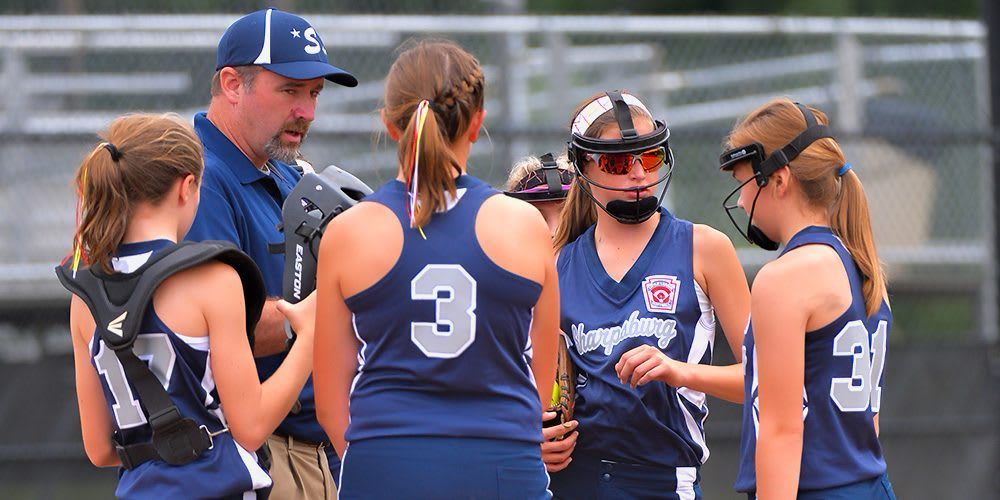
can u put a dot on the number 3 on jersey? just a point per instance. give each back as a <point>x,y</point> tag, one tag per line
<point>863,388</point>
<point>454,326</point>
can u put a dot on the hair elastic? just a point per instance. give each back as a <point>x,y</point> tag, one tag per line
<point>843,170</point>
<point>115,153</point>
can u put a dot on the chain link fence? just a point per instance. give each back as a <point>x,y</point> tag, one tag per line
<point>908,99</point>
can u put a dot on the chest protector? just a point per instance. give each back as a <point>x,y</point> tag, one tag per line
<point>118,303</point>
<point>315,201</point>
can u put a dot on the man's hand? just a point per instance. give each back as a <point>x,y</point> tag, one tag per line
<point>269,337</point>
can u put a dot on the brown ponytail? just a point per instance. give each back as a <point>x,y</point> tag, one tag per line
<point>452,81</point>
<point>816,170</point>
<point>852,223</point>
<point>140,159</point>
<point>578,214</point>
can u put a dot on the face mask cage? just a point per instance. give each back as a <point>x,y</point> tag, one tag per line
<point>763,166</point>
<point>580,149</point>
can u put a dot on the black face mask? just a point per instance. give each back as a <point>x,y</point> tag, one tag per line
<point>763,166</point>
<point>753,234</point>
<point>630,211</point>
<point>636,209</point>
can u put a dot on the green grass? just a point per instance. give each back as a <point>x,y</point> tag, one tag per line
<point>933,317</point>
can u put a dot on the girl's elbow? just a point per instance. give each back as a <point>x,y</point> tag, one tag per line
<point>102,456</point>
<point>326,421</point>
<point>250,439</point>
<point>329,412</point>
<point>783,431</point>
<point>251,444</point>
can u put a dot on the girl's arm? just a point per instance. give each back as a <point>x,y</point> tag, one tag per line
<point>718,272</point>
<point>544,331</point>
<point>724,282</point>
<point>780,313</point>
<point>335,358</point>
<point>253,409</point>
<point>95,419</point>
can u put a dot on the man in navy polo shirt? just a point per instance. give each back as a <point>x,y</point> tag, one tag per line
<point>270,69</point>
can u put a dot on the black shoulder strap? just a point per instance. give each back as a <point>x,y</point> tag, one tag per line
<point>119,302</point>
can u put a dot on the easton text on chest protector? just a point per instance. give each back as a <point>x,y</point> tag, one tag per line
<point>314,201</point>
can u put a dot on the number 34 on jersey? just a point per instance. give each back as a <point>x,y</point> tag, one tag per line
<point>862,390</point>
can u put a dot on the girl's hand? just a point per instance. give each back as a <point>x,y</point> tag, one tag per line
<point>645,364</point>
<point>301,315</point>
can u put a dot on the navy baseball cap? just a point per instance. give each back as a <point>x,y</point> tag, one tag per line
<point>280,42</point>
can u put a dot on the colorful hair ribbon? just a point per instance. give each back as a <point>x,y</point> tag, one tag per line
<point>78,244</point>
<point>418,132</point>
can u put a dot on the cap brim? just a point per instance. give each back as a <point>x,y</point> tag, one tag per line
<point>307,70</point>
<point>538,196</point>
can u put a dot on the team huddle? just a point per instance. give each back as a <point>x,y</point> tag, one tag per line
<point>553,339</point>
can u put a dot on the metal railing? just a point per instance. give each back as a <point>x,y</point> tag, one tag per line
<point>66,77</point>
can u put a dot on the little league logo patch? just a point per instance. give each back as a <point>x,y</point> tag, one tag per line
<point>660,292</point>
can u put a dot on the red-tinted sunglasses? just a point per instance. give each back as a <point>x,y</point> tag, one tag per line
<point>621,163</point>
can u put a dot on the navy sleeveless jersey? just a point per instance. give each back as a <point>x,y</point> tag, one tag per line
<point>445,349</point>
<point>657,303</point>
<point>843,388</point>
<point>182,364</point>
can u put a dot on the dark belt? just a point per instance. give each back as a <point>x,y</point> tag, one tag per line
<point>285,435</point>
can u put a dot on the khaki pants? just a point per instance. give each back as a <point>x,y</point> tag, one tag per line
<point>299,470</point>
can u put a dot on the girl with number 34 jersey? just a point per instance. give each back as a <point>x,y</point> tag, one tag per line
<point>816,345</point>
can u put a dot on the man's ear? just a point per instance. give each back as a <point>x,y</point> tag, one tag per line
<point>390,127</point>
<point>231,84</point>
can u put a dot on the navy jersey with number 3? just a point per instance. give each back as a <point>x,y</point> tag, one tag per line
<point>445,349</point>
<point>843,388</point>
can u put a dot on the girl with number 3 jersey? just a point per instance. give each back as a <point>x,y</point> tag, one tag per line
<point>815,349</point>
<point>437,309</point>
